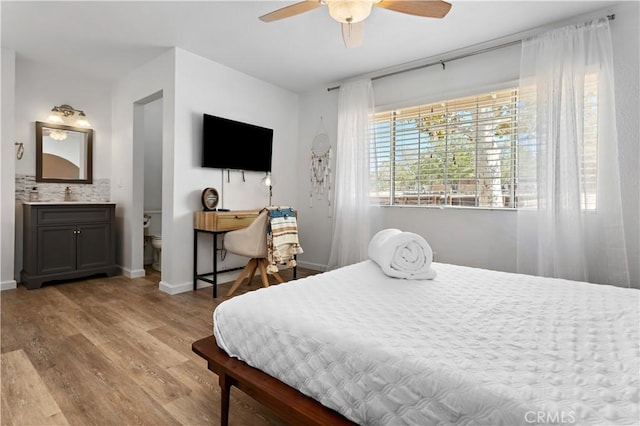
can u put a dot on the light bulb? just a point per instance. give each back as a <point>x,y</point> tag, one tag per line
<point>55,117</point>
<point>58,135</point>
<point>83,122</point>
<point>349,11</point>
<point>268,180</point>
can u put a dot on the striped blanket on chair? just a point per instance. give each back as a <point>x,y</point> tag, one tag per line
<point>282,238</point>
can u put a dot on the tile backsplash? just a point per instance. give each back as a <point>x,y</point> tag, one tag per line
<point>99,190</point>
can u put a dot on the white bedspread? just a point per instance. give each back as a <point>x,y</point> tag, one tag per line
<point>471,347</point>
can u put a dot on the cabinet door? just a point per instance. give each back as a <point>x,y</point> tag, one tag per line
<point>94,246</point>
<point>56,249</point>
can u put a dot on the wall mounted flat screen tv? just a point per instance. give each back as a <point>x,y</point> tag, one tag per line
<point>229,144</point>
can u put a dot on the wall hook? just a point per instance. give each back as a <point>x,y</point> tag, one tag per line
<point>20,151</point>
<point>443,64</point>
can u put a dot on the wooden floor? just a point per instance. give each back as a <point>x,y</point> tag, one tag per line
<point>114,351</point>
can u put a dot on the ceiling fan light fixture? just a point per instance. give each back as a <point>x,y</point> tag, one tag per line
<point>349,11</point>
<point>352,13</point>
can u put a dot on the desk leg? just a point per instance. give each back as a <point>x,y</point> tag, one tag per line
<point>215,265</point>
<point>195,260</point>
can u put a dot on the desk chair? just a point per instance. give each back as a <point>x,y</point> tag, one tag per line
<point>251,242</point>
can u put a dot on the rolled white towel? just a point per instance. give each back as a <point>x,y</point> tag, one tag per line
<point>402,254</point>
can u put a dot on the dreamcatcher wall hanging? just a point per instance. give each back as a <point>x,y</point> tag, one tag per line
<point>320,167</point>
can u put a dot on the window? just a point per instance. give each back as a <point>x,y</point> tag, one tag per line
<point>459,152</point>
<point>464,152</point>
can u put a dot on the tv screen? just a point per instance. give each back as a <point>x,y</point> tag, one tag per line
<point>229,144</point>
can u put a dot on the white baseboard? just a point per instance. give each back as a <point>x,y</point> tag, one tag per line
<point>223,277</point>
<point>172,289</point>
<point>132,273</point>
<point>8,285</point>
<point>314,266</point>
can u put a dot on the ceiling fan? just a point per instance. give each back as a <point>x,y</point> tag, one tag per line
<point>352,13</point>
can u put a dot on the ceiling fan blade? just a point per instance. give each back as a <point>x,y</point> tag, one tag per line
<point>426,8</point>
<point>353,34</point>
<point>292,10</point>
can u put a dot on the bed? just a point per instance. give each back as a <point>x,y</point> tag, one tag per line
<point>471,346</point>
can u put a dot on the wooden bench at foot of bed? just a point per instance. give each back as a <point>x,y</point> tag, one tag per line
<point>288,403</point>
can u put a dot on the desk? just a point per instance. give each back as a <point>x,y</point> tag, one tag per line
<point>216,223</point>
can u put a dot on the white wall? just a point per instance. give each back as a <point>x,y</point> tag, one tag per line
<point>482,238</point>
<point>319,114</point>
<point>38,88</point>
<point>203,86</point>
<point>191,86</point>
<point>443,228</point>
<point>153,156</point>
<point>625,31</point>
<point>7,167</point>
<point>130,94</point>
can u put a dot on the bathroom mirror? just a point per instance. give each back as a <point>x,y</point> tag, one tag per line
<point>63,153</point>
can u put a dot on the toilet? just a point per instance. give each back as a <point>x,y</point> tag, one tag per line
<point>153,238</point>
<point>156,243</point>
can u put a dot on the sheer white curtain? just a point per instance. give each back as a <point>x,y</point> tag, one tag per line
<point>351,227</point>
<point>570,216</point>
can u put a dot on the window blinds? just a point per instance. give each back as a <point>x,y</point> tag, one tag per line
<point>466,151</point>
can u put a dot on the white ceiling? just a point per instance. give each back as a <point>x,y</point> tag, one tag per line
<point>105,40</point>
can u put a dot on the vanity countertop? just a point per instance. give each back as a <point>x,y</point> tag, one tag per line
<point>63,203</point>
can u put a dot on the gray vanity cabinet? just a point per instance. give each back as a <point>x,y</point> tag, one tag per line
<point>65,241</point>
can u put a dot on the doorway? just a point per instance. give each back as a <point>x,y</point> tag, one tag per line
<point>147,182</point>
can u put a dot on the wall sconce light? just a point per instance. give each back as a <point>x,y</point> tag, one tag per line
<point>269,181</point>
<point>58,113</point>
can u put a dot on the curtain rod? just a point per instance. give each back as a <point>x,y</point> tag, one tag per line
<point>442,62</point>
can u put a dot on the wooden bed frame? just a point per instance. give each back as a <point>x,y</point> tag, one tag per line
<point>288,403</point>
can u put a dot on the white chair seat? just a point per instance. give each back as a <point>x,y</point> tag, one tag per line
<point>251,242</point>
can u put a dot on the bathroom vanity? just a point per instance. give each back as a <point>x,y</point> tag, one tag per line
<point>67,240</point>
